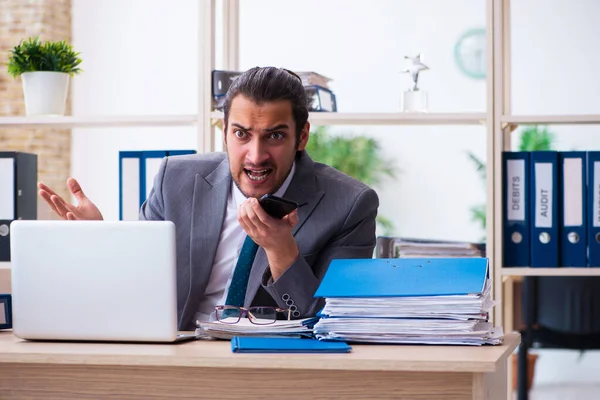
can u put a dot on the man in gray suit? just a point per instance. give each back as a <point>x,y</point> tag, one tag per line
<point>213,201</point>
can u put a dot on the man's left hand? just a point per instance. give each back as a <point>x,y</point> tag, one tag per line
<point>272,234</point>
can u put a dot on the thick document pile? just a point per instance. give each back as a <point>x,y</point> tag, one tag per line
<point>399,247</point>
<point>220,330</point>
<point>415,301</point>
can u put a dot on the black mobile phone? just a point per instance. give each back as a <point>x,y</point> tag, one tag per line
<point>276,206</point>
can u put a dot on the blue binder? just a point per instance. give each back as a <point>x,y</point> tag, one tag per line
<point>180,152</point>
<point>593,208</point>
<point>573,182</point>
<point>516,235</point>
<point>400,277</point>
<point>6,306</point>
<point>544,209</point>
<point>257,344</point>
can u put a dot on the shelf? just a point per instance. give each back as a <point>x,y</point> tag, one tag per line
<point>551,119</point>
<point>562,271</point>
<point>116,121</point>
<point>336,118</point>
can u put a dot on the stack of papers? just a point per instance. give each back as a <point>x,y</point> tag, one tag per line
<point>220,330</point>
<point>398,247</point>
<point>416,301</point>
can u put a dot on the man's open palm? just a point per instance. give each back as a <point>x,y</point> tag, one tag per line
<point>84,210</point>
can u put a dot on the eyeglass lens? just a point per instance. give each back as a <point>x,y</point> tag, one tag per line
<point>256,315</point>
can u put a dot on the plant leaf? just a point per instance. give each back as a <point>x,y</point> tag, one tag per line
<point>32,55</point>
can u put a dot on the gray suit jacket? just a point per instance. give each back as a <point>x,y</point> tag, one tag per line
<point>338,222</point>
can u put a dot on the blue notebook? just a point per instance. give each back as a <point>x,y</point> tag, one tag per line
<point>256,344</point>
<point>399,277</point>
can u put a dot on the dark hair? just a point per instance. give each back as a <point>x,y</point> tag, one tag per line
<point>266,84</point>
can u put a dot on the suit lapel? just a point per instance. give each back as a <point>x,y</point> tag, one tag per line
<point>208,213</point>
<point>302,189</point>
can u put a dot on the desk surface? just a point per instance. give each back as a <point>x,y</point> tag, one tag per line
<point>218,354</point>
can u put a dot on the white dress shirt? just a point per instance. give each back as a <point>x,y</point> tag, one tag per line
<point>229,247</point>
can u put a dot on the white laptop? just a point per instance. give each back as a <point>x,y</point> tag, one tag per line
<point>94,281</point>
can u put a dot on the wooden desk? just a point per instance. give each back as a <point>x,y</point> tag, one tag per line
<point>209,370</point>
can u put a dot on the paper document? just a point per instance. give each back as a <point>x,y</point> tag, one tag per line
<point>425,301</point>
<point>221,330</point>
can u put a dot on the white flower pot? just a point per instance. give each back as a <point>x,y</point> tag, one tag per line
<point>45,92</point>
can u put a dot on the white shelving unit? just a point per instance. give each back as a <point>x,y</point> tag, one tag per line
<point>109,121</point>
<point>550,271</point>
<point>340,118</point>
<point>504,124</point>
<point>551,119</point>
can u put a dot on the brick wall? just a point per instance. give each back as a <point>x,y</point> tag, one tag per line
<point>50,20</point>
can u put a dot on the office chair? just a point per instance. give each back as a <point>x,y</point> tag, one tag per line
<point>561,313</point>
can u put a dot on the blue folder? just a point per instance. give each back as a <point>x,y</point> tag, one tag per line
<point>257,344</point>
<point>399,277</point>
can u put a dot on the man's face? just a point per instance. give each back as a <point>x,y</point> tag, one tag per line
<point>261,144</point>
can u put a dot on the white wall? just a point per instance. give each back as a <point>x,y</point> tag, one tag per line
<point>437,183</point>
<point>140,57</point>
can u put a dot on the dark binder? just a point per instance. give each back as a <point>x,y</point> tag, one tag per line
<point>573,191</point>
<point>544,205</point>
<point>257,344</point>
<point>221,81</point>
<point>320,99</point>
<point>18,193</point>
<point>593,208</point>
<point>5,311</point>
<point>516,230</point>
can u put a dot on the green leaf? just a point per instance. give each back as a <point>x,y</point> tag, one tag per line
<point>535,138</point>
<point>358,156</point>
<point>479,165</point>
<point>32,55</point>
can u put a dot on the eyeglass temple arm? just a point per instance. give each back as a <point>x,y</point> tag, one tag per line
<point>289,312</point>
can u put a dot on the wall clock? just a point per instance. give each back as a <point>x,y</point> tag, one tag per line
<point>469,53</point>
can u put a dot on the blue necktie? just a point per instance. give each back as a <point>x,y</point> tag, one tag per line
<point>239,281</point>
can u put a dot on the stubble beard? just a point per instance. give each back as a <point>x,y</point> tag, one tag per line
<point>236,181</point>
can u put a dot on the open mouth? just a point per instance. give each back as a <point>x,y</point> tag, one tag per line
<point>258,175</point>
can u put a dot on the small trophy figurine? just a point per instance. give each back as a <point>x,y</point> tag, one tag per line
<point>414,99</point>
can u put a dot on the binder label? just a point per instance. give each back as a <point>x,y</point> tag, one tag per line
<point>130,195</point>
<point>596,194</point>
<point>7,188</point>
<point>573,191</point>
<point>543,195</point>
<point>152,167</point>
<point>515,171</point>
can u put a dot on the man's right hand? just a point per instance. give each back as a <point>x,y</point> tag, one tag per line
<point>84,210</point>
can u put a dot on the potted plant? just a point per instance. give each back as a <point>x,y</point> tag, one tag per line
<point>45,70</point>
<point>358,156</point>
